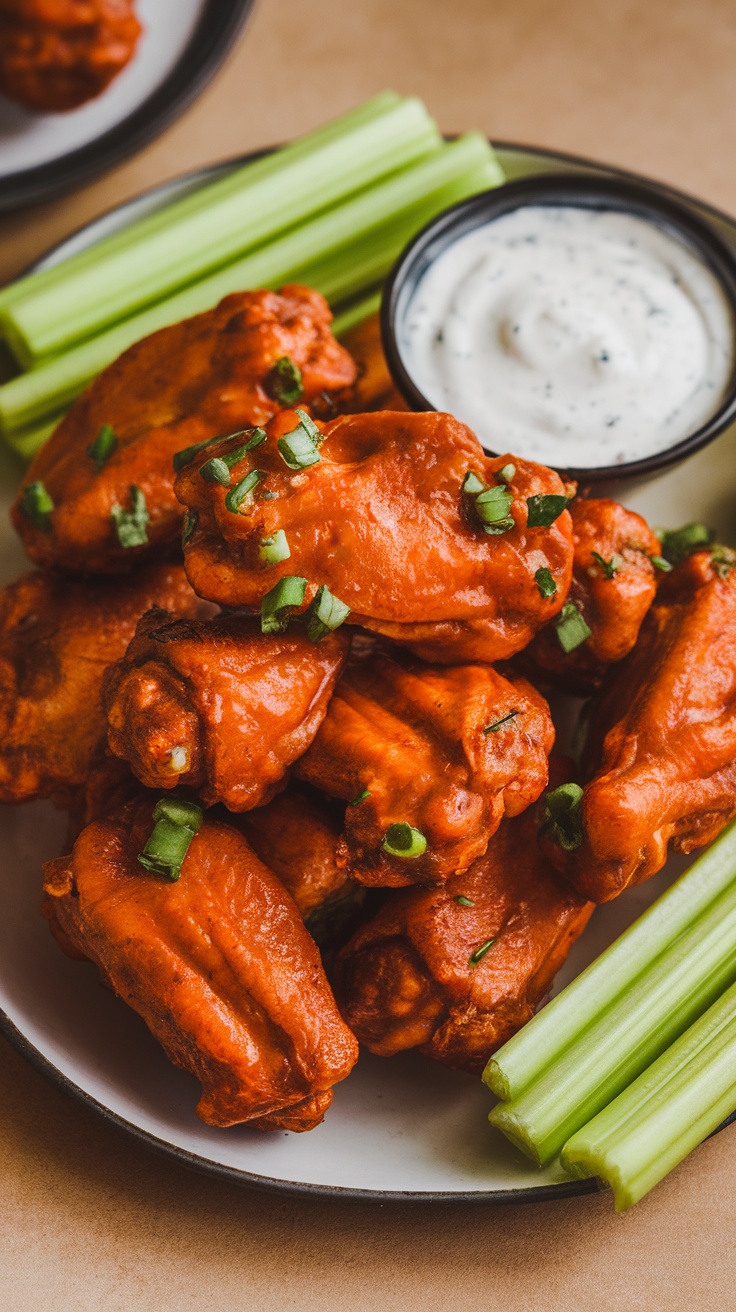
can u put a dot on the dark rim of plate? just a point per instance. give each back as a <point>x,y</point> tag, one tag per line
<point>219,26</point>
<point>203,1165</point>
<point>622,194</point>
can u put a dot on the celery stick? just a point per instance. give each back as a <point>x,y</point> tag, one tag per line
<point>54,318</point>
<point>623,1040</point>
<point>128,237</point>
<point>356,313</point>
<point>682,1097</point>
<point>467,164</point>
<point>543,1040</point>
<point>30,440</point>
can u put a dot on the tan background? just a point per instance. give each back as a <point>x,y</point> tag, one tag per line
<point>90,1221</point>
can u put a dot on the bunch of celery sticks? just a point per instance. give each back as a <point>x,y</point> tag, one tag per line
<point>333,209</point>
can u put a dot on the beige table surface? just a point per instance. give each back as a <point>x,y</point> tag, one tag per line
<point>89,1220</point>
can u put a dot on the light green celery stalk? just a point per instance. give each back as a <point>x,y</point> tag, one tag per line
<point>54,318</point>
<point>128,237</point>
<point>540,1044</point>
<point>430,185</point>
<point>627,1036</point>
<point>678,1101</point>
<point>30,440</point>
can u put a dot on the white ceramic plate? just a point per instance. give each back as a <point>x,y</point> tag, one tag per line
<point>182,44</point>
<point>403,1128</point>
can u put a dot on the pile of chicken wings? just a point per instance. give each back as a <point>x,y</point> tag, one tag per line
<point>285,660</point>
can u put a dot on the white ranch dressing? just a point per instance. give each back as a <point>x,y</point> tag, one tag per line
<point>572,336</point>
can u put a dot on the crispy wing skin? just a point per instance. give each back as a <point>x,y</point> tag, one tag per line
<point>411,735</point>
<point>57,637</point>
<point>218,706</point>
<point>416,975</point>
<point>662,740</point>
<point>182,385</point>
<point>57,54</point>
<point>613,597</point>
<point>218,964</point>
<point>382,521</point>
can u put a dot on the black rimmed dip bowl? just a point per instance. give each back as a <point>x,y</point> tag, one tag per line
<point>619,197</point>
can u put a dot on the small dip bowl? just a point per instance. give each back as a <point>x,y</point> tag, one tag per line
<point>569,190</point>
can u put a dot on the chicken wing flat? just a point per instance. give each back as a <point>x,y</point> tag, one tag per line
<point>218,964</point>
<point>374,509</point>
<point>613,585</point>
<point>455,971</point>
<point>57,637</point>
<point>662,741</point>
<point>430,759</point>
<point>217,705</point>
<point>57,54</point>
<point>108,467</point>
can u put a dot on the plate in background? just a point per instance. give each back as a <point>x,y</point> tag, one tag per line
<point>403,1128</point>
<point>182,45</point>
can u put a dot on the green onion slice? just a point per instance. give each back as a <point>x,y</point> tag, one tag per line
<point>480,952</point>
<point>659,562</point>
<point>185,457</point>
<point>360,798</point>
<point>723,560</point>
<point>298,448</point>
<point>36,505</point>
<point>472,484</point>
<point>131,525</point>
<point>325,614</point>
<point>236,496</point>
<point>679,543</point>
<point>545,582</point>
<point>494,728</point>
<point>277,604</point>
<point>571,628</point>
<point>544,509</point>
<point>283,382</point>
<point>103,446</point>
<point>506,473</point>
<point>310,427</point>
<point>464,901</point>
<point>175,824</point>
<point>217,470</point>
<point>502,526</point>
<point>404,841</point>
<point>610,567</point>
<point>493,505</point>
<point>563,819</point>
<point>274,549</point>
<point>191,519</point>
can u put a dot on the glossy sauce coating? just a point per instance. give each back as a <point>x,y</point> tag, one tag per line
<point>218,964</point>
<point>187,383</point>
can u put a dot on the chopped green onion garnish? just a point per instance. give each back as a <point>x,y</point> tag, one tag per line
<point>545,582</point>
<point>494,728</point>
<point>659,562</point>
<point>278,603</point>
<point>360,798</point>
<point>36,505</point>
<point>103,446</point>
<point>191,519</point>
<point>298,449</point>
<point>610,567</point>
<point>131,525</point>
<point>506,473</point>
<point>571,627</point>
<point>310,427</point>
<point>493,505</point>
<point>544,509</point>
<point>274,549</point>
<point>563,820</point>
<point>217,470</point>
<point>185,457</point>
<point>325,614</point>
<point>403,840</point>
<point>480,952</point>
<point>464,901</point>
<point>472,485</point>
<point>176,823</point>
<point>502,526</point>
<point>723,560</point>
<point>236,496</point>
<point>679,543</point>
<point>283,381</point>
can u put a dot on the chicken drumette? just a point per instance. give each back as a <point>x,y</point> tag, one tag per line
<point>662,741</point>
<point>57,637</point>
<point>430,759</point>
<point>456,971</point>
<point>218,705</point>
<point>613,585</point>
<point>218,964</point>
<point>379,509</point>
<point>57,54</point>
<point>101,491</point>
